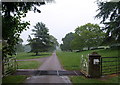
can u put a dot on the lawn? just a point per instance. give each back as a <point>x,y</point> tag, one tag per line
<point>13,80</point>
<point>24,55</point>
<point>28,64</point>
<point>71,61</point>
<point>82,79</point>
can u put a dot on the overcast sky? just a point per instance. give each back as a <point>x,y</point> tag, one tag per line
<point>62,17</point>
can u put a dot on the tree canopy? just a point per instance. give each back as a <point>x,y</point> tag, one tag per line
<point>12,26</point>
<point>88,35</point>
<point>66,46</point>
<point>109,12</point>
<point>19,47</point>
<point>42,41</point>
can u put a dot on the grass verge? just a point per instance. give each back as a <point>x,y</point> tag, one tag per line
<point>28,64</point>
<point>15,80</point>
<point>71,61</point>
<point>82,79</point>
<point>24,55</point>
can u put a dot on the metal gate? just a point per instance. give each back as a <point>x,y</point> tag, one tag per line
<point>109,65</point>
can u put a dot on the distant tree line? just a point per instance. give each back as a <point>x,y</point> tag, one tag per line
<point>85,36</point>
<point>91,35</point>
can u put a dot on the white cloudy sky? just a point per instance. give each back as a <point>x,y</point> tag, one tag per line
<point>62,17</point>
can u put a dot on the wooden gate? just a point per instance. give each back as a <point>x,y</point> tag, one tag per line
<point>84,65</point>
<point>9,65</point>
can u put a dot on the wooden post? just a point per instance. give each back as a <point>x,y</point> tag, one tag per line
<point>94,69</point>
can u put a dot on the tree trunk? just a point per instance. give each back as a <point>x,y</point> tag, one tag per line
<point>36,53</point>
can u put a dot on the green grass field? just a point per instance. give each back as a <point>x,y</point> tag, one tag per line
<point>15,80</point>
<point>24,55</point>
<point>28,64</point>
<point>82,79</point>
<point>71,61</point>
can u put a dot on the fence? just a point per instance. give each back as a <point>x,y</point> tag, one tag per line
<point>9,65</point>
<point>95,66</point>
<point>84,65</point>
<point>109,65</point>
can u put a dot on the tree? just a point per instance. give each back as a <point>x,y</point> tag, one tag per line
<point>42,41</point>
<point>54,43</point>
<point>88,35</point>
<point>110,14</point>
<point>12,26</point>
<point>19,47</point>
<point>66,46</point>
<point>77,43</point>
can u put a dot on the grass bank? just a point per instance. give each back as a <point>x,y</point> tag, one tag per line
<point>13,80</point>
<point>28,64</point>
<point>24,55</point>
<point>71,61</point>
<point>82,79</point>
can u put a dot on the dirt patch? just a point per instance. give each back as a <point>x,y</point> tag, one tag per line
<point>108,77</point>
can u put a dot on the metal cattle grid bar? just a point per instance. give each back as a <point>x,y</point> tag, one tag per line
<point>48,72</point>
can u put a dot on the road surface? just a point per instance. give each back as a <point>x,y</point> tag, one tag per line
<point>52,63</point>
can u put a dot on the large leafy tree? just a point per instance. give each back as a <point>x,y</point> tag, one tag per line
<point>42,41</point>
<point>109,12</point>
<point>77,43</point>
<point>12,26</point>
<point>66,46</point>
<point>88,35</point>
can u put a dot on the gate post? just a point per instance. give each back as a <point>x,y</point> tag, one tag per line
<point>94,70</point>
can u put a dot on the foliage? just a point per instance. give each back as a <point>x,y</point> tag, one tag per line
<point>88,35</point>
<point>66,46</point>
<point>12,12</point>
<point>27,48</point>
<point>77,43</point>
<point>42,41</point>
<point>54,43</point>
<point>110,14</point>
<point>19,47</point>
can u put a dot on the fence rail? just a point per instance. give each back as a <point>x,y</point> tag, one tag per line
<point>109,65</point>
<point>9,65</point>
